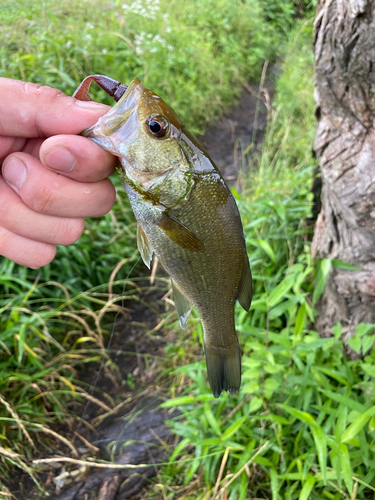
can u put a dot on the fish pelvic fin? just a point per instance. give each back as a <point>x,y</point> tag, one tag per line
<point>182,305</point>
<point>144,246</point>
<point>224,368</point>
<point>246,287</point>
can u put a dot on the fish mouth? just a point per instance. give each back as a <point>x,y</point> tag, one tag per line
<point>119,122</point>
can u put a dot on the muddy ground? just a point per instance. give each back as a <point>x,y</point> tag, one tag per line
<point>139,418</point>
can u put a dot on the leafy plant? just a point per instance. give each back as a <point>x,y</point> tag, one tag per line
<point>302,425</point>
<point>194,54</point>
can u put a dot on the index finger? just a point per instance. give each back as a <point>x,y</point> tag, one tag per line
<point>31,110</point>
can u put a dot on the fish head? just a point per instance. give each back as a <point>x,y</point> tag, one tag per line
<point>144,132</point>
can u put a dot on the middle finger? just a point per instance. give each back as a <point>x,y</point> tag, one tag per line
<point>50,193</point>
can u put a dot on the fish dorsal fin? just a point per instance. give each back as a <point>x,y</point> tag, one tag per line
<point>144,246</point>
<point>246,287</point>
<point>179,234</point>
<point>182,304</point>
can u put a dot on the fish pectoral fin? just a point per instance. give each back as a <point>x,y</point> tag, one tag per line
<point>182,305</point>
<point>144,246</point>
<point>246,287</point>
<point>179,234</point>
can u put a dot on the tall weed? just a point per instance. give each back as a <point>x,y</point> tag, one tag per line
<point>192,53</point>
<point>302,425</point>
<point>53,320</point>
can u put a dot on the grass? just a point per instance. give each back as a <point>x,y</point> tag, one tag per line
<point>56,320</point>
<point>302,425</point>
<point>193,53</point>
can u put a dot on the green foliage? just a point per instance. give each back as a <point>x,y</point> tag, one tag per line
<point>281,13</point>
<point>53,321</point>
<point>193,53</point>
<point>363,340</point>
<point>302,425</point>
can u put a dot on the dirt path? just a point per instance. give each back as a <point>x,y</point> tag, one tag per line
<point>139,418</point>
<point>241,129</point>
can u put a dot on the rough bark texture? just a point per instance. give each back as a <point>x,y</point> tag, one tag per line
<point>345,146</point>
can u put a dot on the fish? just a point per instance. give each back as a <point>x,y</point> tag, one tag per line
<point>186,216</point>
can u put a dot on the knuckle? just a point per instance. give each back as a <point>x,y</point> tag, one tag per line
<point>4,240</point>
<point>42,93</point>
<point>41,96</point>
<point>43,201</point>
<point>108,198</point>
<point>6,212</point>
<point>71,231</point>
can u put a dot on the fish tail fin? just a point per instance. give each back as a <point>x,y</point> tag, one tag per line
<point>224,368</point>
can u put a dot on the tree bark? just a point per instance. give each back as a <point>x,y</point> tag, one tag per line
<point>344,47</point>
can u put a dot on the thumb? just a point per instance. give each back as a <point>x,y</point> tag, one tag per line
<point>30,110</point>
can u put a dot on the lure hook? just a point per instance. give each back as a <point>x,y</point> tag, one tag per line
<point>113,87</point>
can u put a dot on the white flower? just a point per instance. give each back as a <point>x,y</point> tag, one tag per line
<point>68,44</point>
<point>144,8</point>
<point>159,39</point>
<point>104,51</point>
<point>89,26</point>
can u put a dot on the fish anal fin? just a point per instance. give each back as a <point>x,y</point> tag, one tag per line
<point>182,305</point>
<point>246,287</point>
<point>179,234</point>
<point>144,246</point>
<point>223,368</point>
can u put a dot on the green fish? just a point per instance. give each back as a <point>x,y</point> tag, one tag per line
<point>186,216</point>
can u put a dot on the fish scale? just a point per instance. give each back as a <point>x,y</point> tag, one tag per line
<point>187,216</point>
<point>205,277</point>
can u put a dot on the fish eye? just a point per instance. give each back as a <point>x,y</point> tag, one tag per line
<point>157,126</point>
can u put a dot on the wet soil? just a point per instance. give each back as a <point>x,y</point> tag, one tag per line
<point>136,432</point>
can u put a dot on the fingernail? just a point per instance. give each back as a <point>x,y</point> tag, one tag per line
<point>90,105</point>
<point>61,159</point>
<point>14,172</point>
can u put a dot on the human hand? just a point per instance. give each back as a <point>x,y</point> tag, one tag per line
<point>50,178</point>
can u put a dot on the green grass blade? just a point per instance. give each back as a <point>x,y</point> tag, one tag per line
<point>346,467</point>
<point>321,449</point>
<point>357,425</point>
<point>307,487</point>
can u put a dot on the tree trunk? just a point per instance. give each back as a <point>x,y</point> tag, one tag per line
<point>345,146</point>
